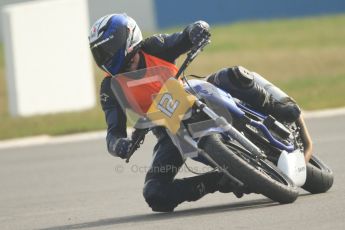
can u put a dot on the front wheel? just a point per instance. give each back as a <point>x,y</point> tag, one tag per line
<point>261,176</point>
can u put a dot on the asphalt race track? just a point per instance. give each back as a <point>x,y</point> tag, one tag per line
<point>80,186</point>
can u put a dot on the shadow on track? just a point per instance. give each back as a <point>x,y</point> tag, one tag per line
<point>262,203</point>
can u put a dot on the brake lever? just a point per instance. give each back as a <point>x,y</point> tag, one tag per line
<point>138,137</point>
<point>196,50</point>
<point>191,55</point>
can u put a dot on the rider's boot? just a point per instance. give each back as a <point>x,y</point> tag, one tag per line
<point>211,182</point>
<point>202,184</point>
<point>225,186</point>
<point>164,196</point>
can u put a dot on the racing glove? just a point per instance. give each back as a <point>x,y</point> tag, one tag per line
<point>120,147</point>
<point>199,31</point>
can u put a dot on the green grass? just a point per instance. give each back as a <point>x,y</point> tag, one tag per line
<point>305,57</point>
<point>280,34</point>
<point>52,124</point>
<point>317,92</point>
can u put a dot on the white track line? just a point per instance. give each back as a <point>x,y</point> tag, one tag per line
<point>324,113</point>
<point>46,139</point>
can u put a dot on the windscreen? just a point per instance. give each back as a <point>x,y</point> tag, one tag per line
<point>153,97</point>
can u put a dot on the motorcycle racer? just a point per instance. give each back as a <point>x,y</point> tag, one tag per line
<point>117,46</point>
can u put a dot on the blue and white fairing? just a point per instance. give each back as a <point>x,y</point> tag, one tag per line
<point>219,97</point>
<point>213,94</point>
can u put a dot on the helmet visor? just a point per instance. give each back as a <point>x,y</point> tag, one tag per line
<point>104,50</point>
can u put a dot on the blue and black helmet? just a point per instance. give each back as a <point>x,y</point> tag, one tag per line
<point>111,39</point>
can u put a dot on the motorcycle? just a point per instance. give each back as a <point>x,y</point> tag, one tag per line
<point>257,153</point>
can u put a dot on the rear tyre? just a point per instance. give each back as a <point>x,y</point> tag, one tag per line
<point>261,176</point>
<point>319,176</point>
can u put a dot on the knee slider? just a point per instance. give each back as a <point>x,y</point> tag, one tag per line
<point>241,77</point>
<point>293,110</point>
<point>156,196</point>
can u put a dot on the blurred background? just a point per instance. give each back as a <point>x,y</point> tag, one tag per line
<point>299,45</point>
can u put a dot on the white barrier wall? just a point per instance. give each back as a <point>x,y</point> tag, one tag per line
<point>48,62</point>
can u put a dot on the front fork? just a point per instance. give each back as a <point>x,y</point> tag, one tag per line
<point>222,126</point>
<point>229,129</point>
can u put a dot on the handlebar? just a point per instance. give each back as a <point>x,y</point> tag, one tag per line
<point>191,55</point>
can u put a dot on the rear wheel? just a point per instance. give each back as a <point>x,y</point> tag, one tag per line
<point>319,176</point>
<point>261,176</point>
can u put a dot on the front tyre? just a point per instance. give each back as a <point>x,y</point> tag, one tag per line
<point>261,176</point>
